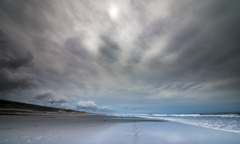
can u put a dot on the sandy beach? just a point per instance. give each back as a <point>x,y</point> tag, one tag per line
<point>52,129</point>
<point>105,130</point>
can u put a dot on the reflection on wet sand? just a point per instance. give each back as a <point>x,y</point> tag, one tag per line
<point>94,130</point>
<point>134,130</point>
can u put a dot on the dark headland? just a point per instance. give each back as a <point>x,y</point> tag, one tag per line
<point>18,108</point>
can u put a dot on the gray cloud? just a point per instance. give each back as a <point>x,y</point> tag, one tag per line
<point>204,49</point>
<point>20,81</point>
<point>49,96</point>
<point>150,50</point>
<point>75,47</point>
<point>13,57</point>
<point>109,51</point>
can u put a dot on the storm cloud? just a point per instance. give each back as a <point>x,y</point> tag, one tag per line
<point>49,96</point>
<point>12,58</point>
<point>149,53</point>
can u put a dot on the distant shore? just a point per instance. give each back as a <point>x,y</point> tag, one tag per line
<point>18,108</point>
<point>43,113</point>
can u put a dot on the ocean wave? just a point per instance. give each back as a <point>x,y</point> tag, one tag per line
<point>224,122</point>
<point>199,115</point>
<point>219,123</point>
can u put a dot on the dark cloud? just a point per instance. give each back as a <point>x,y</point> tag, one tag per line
<point>13,57</point>
<point>49,96</point>
<point>109,51</point>
<point>203,44</point>
<point>43,96</point>
<point>19,81</point>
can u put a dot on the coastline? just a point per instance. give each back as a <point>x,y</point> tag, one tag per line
<point>18,108</point>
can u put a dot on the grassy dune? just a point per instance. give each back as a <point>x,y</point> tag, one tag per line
<point>10,107</point>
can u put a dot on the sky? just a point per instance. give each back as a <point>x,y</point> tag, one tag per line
<point>122,56</point>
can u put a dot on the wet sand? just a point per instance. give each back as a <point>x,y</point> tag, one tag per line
<point>106,130</point>
<point>52,129</point>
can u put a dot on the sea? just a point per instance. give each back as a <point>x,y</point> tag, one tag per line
<point>224,122</point>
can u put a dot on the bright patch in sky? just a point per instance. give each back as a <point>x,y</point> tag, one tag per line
<point>113,11</point>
